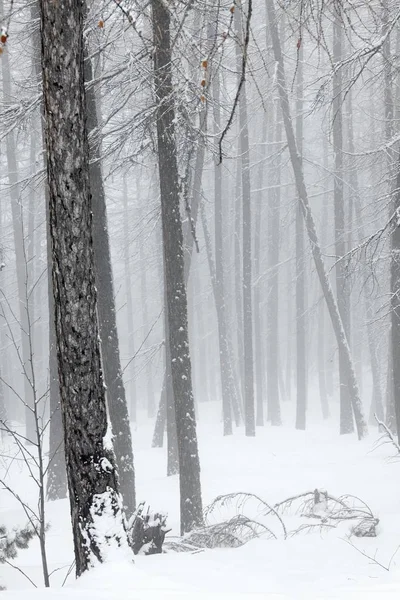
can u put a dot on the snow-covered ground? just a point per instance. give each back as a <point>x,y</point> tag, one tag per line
<point>278,463</point>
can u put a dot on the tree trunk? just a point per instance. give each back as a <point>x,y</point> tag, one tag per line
<point>346,417</point>
<point>115,390</point>
<point>92,476</point>
<point>301,362</point>
<point>56,470</point>
<point>145,313</point>
<point>248,366</point>
<point>258,337</point>
<point>395,304</point>
<point>189,465</point>
<point>229,393</point>
<point>322,333</point>
<point>273,398</point>
<point>129,305</point>
<point>20,255</point>
<point>310,227</point>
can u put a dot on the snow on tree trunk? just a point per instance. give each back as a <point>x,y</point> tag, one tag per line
<point>311,230</point>
<point>178,341</point>
<point>96,505</point>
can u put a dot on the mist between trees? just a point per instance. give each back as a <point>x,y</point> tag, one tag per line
<point>199,203</point>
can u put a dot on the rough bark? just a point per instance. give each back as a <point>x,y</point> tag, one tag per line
<point>189,465</point>
<point>56,486</point>
<point>274,200</point>
<point>92,476</point>
<point>310,226</point>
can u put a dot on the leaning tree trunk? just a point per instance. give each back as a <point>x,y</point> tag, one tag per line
<point>346,417</point>
<point>178,340</point>
<point>310,227</point>
<point>115,390</point>
<point>92,476</point>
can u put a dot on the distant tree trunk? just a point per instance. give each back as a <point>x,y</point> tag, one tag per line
<point>289,330</point>
<point>395,304</point>
<point>172,439</point>
<point>190,488</point>
<point>377,400</point>
<point>145,314</point>
<point>390,413</point>
<point>248,366</point>
<point>229,394</point>
<point>92,476</point>
<point>346,417</point>
<point>301,362</point>
<point>20,255</point>
<point>258,334</point>
<point>273,398</point>
<point>161,419</point>
<point>115,390</point>
<point>237,275</point>
<point>310,226</point>
<point>4,408</point>
<point>393,168</point>
<point>129,304</point>
<point>321,343</point>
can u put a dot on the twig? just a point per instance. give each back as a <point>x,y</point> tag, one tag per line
<point>241,82</point>
<point>21,571</point>
<point>372,558</point>
<point>388,433</point>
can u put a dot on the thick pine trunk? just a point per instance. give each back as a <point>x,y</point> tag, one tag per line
<point>56,470</point>
<point>310,227</point>
<point>177,340</point>
<point>92,476</point>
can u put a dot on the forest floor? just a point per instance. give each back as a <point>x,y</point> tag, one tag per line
<point>278,463</point>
